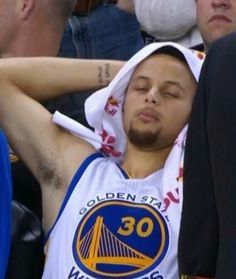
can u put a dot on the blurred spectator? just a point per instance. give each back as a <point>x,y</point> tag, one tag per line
<point>33,28</point>
<point>109,31</point>
<point>173,20</point>
<point>215,19</point>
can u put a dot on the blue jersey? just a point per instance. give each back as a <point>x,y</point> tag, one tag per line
<point>5,204</point>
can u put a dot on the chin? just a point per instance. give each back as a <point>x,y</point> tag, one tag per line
<point>143,139</point>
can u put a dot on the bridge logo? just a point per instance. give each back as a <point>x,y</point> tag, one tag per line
<point>120,239</point>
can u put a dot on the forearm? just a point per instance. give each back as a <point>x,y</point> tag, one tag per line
<point>45,78</point>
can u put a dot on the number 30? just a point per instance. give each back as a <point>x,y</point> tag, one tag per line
<point>128,226</point>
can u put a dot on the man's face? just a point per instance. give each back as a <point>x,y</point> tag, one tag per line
<point>158,102</point>
<point>215,19</point>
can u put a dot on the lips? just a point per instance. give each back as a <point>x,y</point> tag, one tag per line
<point>148,116</point>
<point>222,18</point>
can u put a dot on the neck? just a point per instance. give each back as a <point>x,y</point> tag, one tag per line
<point>33,44</point>
<point>139,163</point>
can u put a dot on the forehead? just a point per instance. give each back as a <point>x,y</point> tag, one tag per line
<point>163,64</point>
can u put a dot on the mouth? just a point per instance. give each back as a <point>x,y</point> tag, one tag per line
<point>148,116</point>
<point>221,18</point>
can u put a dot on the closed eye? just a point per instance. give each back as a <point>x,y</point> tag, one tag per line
<point>170,94</point>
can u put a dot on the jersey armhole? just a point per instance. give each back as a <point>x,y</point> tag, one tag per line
<point>73,183</point>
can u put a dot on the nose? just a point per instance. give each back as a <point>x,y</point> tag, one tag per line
<point>152,97</point>
<point>220,3</point>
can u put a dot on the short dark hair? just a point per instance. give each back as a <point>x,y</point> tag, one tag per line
<point>172,51</point>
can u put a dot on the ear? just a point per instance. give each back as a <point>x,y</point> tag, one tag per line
<point>25,8</point>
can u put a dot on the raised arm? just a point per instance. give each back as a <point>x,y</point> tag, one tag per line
<point>40,79</point>
<point>52,154</point>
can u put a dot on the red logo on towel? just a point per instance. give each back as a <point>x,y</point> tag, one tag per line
<point>112,101</point>
<point>108,145</point>
<point>112,106</point>
<point>199,54</point>
<point>171,197</point>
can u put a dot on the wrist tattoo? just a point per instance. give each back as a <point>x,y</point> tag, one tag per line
<point>104,76</point>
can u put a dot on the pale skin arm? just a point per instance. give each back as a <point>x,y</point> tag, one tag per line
<point>45,78</point>
<point>52,154</point>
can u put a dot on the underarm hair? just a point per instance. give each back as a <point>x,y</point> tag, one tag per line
<point>50,175</point>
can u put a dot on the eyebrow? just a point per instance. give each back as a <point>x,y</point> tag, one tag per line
<point>141,77</point>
